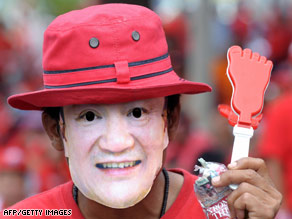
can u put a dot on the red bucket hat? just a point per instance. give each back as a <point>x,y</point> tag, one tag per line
<point>108,53</point>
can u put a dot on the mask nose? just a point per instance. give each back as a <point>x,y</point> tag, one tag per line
<point>117,137</point>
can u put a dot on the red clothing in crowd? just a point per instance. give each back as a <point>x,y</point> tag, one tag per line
<point>276,141</point>
<point>185,155</point>
<point>186,205</point>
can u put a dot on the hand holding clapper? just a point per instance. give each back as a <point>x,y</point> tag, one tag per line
<point>249,74</point>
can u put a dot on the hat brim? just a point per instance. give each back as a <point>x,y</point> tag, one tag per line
<point>107,93</point>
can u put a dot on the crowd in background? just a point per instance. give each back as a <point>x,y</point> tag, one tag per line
<point>29,165</point>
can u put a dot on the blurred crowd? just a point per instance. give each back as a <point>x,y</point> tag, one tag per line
<point>29,165</point>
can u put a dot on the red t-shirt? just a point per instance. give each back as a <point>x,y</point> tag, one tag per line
<point>185,206</point>
<point>276,139</point>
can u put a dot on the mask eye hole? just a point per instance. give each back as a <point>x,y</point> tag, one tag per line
<point>137,112</point>
<point>89,116</point>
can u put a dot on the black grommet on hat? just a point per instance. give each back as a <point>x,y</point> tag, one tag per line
<point>93,42</point>
<point>135,35</point>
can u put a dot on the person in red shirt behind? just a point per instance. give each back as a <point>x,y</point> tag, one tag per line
<point>12,175</point>
<point>275,147</point>
<point>111,102</point>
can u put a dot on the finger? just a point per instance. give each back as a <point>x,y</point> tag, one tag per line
<point>240,214</point>
<point>264,204</point>
<point>247,53</point>
<point>253,205</point>
<point>253,183</point>
<point>243,188</point>
<point>255,164</point>
<point>256,56</point>
<point>239,176</point>
<point>241,204</point>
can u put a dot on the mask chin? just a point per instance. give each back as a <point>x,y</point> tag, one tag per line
<point>116,202</point>
<point>120,205</point>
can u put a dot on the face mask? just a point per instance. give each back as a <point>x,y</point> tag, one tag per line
<point>115,151</point>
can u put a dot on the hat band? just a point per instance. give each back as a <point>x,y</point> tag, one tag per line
<point>110,80</point>
<point>106,73</point>
<point>131,64</point>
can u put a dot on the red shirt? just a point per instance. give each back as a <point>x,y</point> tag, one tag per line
<point>276,140</point>
<point>185,206</point>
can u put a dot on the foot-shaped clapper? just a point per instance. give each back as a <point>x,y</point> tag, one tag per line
<point>249,74</point>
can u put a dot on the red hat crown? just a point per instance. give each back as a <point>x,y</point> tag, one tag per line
<point>101,43</point>
<point>105,54</point>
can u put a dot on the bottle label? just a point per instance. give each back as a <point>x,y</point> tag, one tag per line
<point>218,210</point>
<point>212,199</point>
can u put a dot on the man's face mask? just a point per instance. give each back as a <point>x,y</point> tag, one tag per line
<point>115,151</point>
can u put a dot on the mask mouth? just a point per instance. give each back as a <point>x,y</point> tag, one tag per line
<point>117,165</point>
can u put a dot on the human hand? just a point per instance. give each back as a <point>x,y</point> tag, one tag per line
<point>256,196</point>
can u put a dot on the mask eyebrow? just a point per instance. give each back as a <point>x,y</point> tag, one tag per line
<point>150,103</point>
